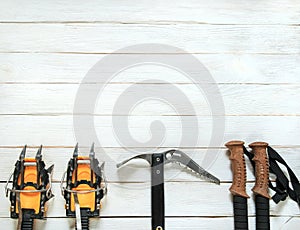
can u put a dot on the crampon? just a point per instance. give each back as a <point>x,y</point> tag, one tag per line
<point>31,189</point>
<point>84,189</point>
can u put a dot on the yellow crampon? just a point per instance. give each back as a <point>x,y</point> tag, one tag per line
<point>31,189</point>
<point>85,187</point>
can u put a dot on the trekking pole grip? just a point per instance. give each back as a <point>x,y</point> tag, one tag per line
<point>238,165</point>
<point>261,169</point>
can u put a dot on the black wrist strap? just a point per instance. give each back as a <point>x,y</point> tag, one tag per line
<point>282,188</point>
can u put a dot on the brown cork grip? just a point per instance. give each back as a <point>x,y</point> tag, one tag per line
<point>238,165</point>
<point>261,186</point>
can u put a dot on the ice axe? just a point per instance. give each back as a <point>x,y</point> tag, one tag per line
<point>157,162</point>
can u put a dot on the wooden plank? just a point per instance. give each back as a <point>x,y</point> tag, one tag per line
<point>58,130</point>
<point>197,200</point>
<point>253,53</point>
<point>191,11</point>
<point>224,68</point>
<point>238,99</point>
<point>106,38</point>
<point>226,223</point>
<point>138,171</point>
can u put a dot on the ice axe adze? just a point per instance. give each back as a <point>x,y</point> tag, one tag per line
<point>157,161</point>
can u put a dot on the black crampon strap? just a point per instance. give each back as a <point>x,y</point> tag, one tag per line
<point>27,220</point>
<point>282,189</point>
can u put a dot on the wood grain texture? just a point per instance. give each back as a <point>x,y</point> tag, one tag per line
<point>225,68</point>
<point>58,130</point>
<point>107,38</point>
<point>190,11</point>
<point>251,49</point>
<point>238,99</point>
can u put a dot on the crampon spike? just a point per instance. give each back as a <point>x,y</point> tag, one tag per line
<point>22,154</point>
<point>92,151</point>
<point>38,155</point>
<point>75,153</point>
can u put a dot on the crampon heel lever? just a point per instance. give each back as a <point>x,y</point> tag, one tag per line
<point>31,189</point>
<point>157,161</point>
<point>85,187</point>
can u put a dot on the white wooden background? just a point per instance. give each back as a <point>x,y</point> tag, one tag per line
<point>251,48</point>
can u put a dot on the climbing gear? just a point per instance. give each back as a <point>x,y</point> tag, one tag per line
<point>157,161</point>
<point>264,160</point>
<point>238,187</point>
<point>31,189</point>
<point>85,187</point>
<point>260,189</point>
<point>282,188</point>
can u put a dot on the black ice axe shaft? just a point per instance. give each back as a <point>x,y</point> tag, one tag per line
<point>157,161</point>
<point>157,192</point>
